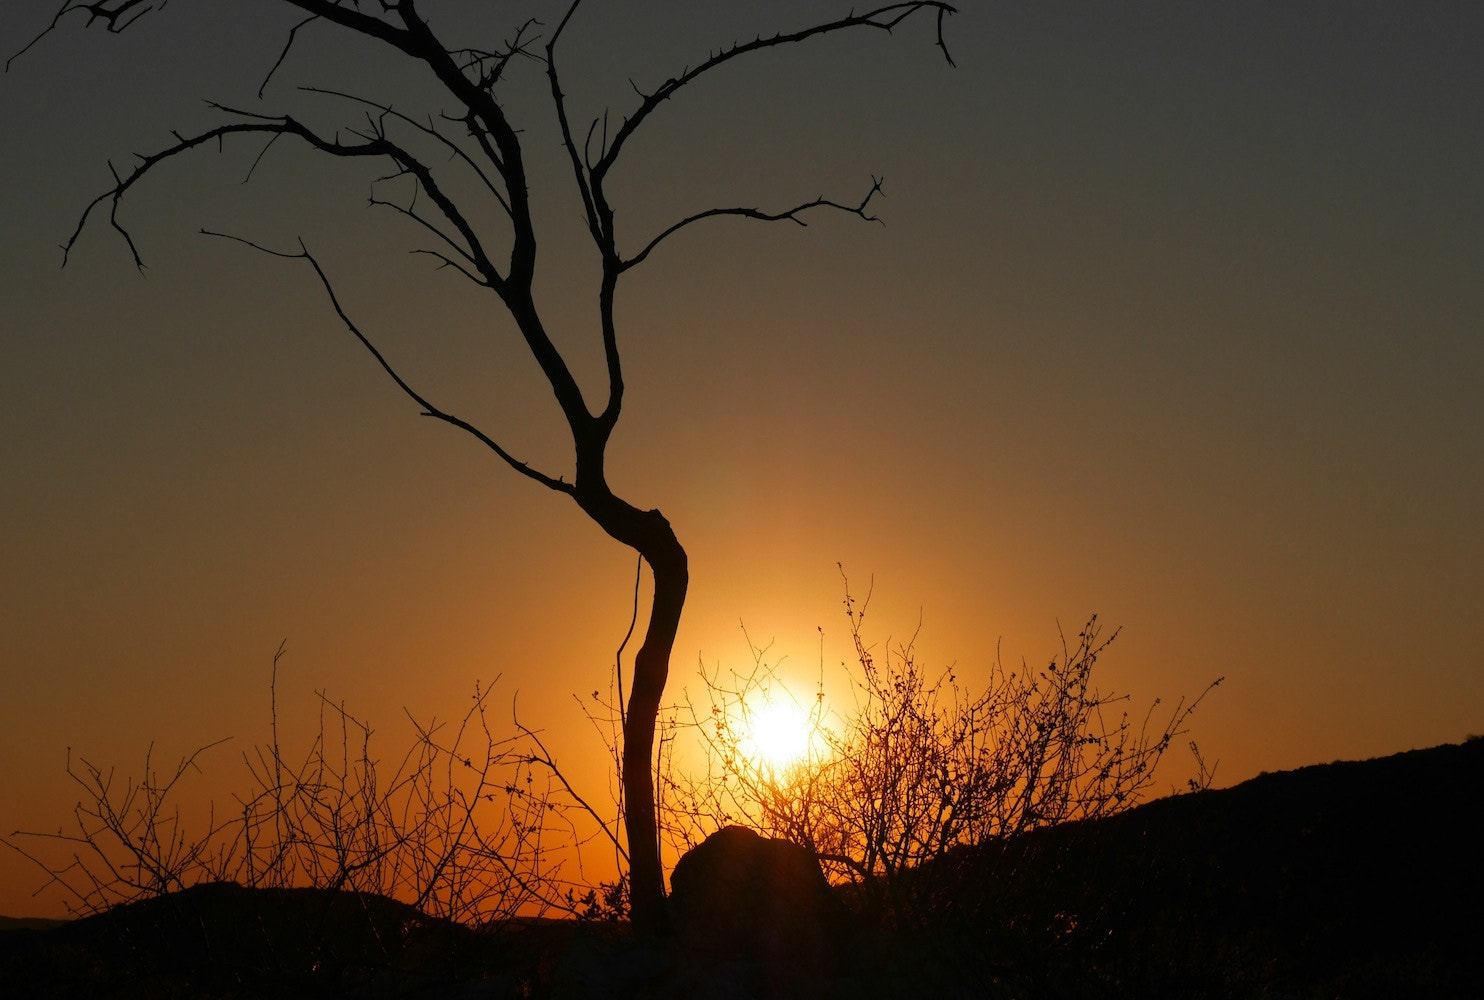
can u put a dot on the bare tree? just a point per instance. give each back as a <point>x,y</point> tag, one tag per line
<point>490,237</point>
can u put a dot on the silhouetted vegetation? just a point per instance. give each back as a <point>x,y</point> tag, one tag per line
<point>462,828</point>
<point>1341,881</point>
<point>918,764</point>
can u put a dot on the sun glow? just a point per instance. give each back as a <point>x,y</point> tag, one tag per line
<point>778,734</point>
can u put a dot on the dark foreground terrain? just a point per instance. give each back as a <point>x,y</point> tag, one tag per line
<point>1346,880</point>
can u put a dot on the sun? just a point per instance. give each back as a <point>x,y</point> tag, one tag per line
<point>778,734</point>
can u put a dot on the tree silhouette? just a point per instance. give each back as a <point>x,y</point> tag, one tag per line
<point>486,231</point>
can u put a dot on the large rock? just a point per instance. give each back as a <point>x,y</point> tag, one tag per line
<point>738,897</point>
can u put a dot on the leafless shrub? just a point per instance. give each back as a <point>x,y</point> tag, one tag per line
<point>464,827</point>
<point>921,763</point>
<point>129,840</point>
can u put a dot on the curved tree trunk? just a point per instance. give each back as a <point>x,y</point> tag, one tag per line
<point>651,668</point>
<point>650,534</point>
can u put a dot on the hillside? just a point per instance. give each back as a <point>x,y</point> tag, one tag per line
<point>1353,879</point>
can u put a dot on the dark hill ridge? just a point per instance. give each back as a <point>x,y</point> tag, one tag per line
<point>220,940</point>
<point>1352,879</point>
<point>1345,880</point>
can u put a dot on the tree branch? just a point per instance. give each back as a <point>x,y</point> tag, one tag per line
<point>791,215</point>
<point>579,164</point>
<point>883,18</point>
<point>589,176</point>
<point>545,759</point>
<point>374,145</point>
<point>116,15</point>
<point>148,163</point>
<point>491,65</point>
<point>454,148</point>
<point>410,211</point>
<point>284,53</point>
<point>556,484</point>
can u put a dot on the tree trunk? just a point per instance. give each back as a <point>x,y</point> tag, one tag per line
<point>651,669</point>
<point>650,534</point>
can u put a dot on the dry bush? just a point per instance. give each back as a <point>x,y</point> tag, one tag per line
<point>466,826</point>
<point>921,763</point>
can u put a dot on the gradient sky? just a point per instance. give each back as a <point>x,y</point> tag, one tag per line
<point>1177,316</point>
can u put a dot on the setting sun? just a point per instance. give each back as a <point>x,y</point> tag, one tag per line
<point>777,734</point>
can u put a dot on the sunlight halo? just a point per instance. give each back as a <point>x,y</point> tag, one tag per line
<point>777,734</point>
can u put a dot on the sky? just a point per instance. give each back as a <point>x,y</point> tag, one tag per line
<point>1174,317</point>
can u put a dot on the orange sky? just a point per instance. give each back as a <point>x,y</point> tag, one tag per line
<point>1175,318</point>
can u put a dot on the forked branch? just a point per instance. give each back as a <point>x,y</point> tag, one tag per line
<point>883,18</point>
<point>373,144</point>
<point>590,174</point>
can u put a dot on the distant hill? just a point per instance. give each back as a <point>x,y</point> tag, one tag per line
<point>28,923</point>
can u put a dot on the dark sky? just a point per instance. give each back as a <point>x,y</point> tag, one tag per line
<point>1175,317</point>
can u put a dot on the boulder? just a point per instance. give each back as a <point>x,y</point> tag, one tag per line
<point>740,898</point>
